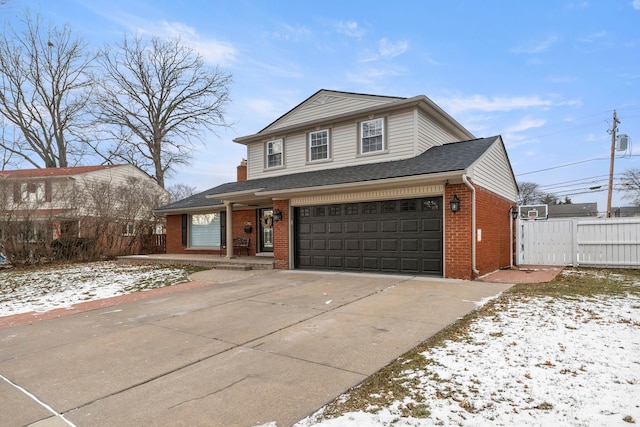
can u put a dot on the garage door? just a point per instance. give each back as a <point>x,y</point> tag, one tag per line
<point>396,236</point>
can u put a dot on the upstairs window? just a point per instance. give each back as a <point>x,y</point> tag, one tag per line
<point>372,136</point>
<point>274,153</point>
<point>319,145</point>
<point>32,192</point>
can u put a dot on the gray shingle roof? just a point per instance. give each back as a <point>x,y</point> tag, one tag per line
<point>456,156</point>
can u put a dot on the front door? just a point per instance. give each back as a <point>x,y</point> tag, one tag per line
<point>266,230</point>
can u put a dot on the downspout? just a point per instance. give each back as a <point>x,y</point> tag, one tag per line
<point>473,224</point>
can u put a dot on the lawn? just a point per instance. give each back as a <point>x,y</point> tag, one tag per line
<point>60,286</point>
<point>564,353</point>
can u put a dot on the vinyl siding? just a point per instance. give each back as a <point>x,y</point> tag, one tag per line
<point>429,134</point>
<point>400,135</point>
<point>328,105</point>
<point>492,171</point>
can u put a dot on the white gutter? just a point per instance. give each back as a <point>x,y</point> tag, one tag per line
<point>473,223</point>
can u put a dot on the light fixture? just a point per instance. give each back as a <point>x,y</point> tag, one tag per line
<point>514,212</point>
<point>455,204</point>
<point>277,215</point>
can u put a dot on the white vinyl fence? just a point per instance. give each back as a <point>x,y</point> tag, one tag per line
<point>613,242</point>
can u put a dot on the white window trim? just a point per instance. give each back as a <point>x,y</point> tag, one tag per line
<point>361,137</point>
<point>266,153</point>
<point>33,191</point>
<point>309,159</point>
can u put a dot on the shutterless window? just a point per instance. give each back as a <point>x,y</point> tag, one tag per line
<point>319,145</point>
<point>372,136</point>
<point>274,153</point>
<point>204,230</point>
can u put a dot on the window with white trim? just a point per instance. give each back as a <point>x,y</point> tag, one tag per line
<point>319,145</point>
<point>275,150</point>
<point>372,136</point>
<point>32,192</point>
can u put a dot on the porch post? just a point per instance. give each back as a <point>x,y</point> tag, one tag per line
<point>229,206</point>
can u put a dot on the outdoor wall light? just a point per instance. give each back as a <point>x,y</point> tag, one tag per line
<point>514,212</point>
<point>277,215</point>
<point>455,204</point>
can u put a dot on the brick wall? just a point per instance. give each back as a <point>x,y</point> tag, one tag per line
<point>248,217</point>
<point>281,236</point>
<point>492,218</point>
<point>457,233</point>
<point>240,218</point>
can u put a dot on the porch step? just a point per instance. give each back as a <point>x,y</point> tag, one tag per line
<point>236,267</point>
<point>207,261</point>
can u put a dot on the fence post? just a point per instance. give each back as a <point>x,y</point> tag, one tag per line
<point>574,243</point>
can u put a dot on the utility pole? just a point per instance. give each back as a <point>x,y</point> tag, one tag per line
<point>614,128</point>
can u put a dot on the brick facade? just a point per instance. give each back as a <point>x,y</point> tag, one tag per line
<point>492,219</point>
<point>240,219</point>
<point>281,236</point>
<point>492,222</point>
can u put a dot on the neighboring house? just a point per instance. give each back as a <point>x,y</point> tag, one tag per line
<point>363,183</point>
<point>573,210</point>
<point>113,203</point>
<point>625,211</point>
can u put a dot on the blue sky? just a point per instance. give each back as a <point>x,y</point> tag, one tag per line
<point>546,75</point>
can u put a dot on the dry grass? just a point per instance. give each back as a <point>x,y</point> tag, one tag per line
<point>385,387</point>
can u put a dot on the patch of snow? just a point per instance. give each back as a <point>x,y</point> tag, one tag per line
<point>61,287</point>
<point>543,361</point>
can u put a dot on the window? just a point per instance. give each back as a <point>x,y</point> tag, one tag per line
<point>319,145</point>
<point>370,208</point>
<point>351,209</point>
<point>204,230</point>
<point>274,153</point>
<point>128,229</point>
<point>31,232</point>
<point>32,192</point>
<point>372,136</point>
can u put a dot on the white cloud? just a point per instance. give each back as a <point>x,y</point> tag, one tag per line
<point>386,49</point>
<point>458,105</point>
<point>350,28</point>
<point>525,123</point>
<point>291,33</point>
<point>593,37</point>
<point>371,75</point>
<point>536,46</point>
<point>212,51</point>
<point>636,4</point>
<point>389,49</point>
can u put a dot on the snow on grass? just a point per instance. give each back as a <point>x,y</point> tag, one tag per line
<point>41,290</point>
<point>542,361</point>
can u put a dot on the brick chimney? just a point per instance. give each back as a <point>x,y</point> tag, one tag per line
<point>242,171</point>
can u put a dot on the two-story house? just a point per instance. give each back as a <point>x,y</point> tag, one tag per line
<point>363,183</point>
<point>38,206</point>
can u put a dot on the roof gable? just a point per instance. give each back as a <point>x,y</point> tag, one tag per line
<point>328,103</point>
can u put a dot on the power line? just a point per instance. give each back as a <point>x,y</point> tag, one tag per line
<point>572,164</point>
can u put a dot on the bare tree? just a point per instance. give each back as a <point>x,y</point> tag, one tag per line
<point>529,193</point>
<point>631,185</point>
<point>180,191</point>
<point>156,97</point>
<point>45,85</point>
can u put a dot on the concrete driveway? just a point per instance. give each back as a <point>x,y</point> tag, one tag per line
<point>252,348</point>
